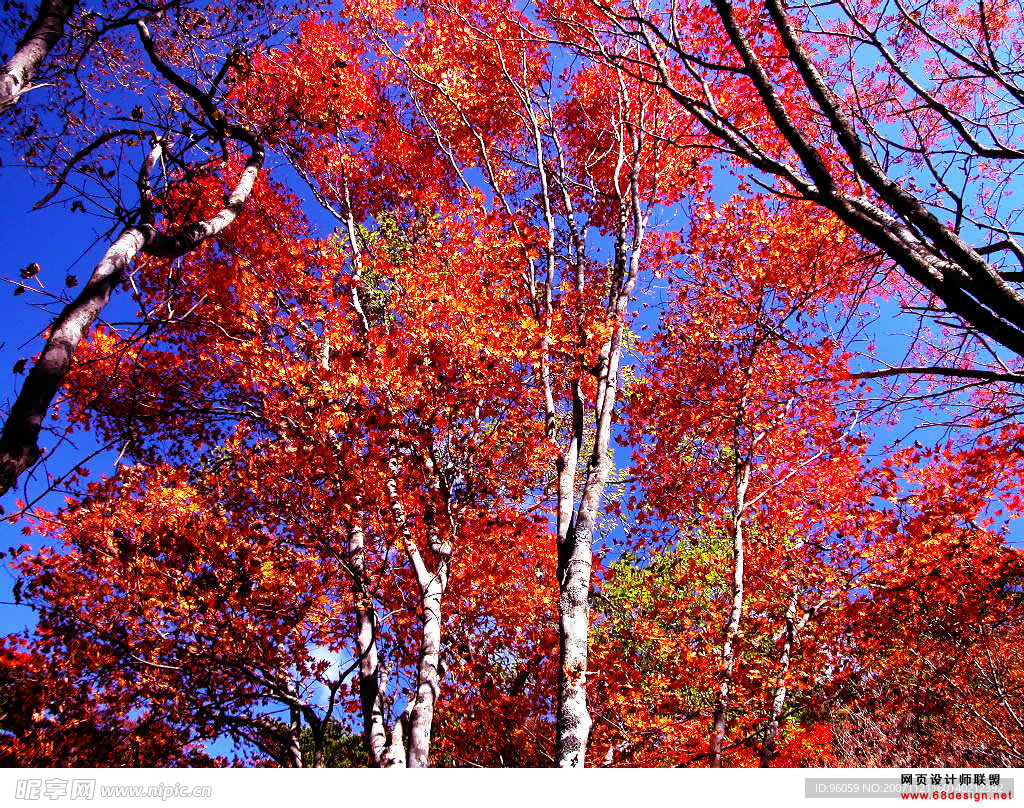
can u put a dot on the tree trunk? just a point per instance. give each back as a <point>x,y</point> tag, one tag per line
<point>370,696</point>
<point>395,757</point>
<point>793,629</point>
<point>428,677</point>
<point>19,441</point>
<point>575,545</point>
<point>44,32</point>
<point>575,564</point>
<point>295,738</point>
<point>432,586</point>
<point>718,723</point>
<point>771,732</point>
<point>573,721</point>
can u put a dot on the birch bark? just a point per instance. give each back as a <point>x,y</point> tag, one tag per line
<point>792,629</point>
<point>44,32</point>
<point>432,586</point>
<point>19,441</point>
<point>718,724</point>
<point>294,738</point>
<point>576,534</point>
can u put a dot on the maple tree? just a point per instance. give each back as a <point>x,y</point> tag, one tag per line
<point>895,119</point>
<point>945,591</point>
<point>753,628</point>
<point>373,411</point>
<point>575,152</point>
<point>734,445</point>
<point>19,447</point>
<point>358,390</point>
<point>185,80</point>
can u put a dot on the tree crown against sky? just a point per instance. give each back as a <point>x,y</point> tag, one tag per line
<point>389,471</point>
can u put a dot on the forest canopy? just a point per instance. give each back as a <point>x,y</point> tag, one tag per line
<point>501,384</point>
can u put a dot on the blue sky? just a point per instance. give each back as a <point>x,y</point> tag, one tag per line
<point>60,243</point>
<point>63,242</point>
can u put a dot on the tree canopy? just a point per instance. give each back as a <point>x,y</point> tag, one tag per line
<point>480,384</point>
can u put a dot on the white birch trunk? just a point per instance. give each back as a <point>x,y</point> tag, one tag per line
<point>19,441</point>
<point>396,757</point>
<point>733,626</point>
<point>44,32</point>
<point>792,630</point>
<point>428,677</point>
<point>432,586</point>
<point>370,696</point>
<point>771,732</point>
<point>575,546</point>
